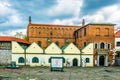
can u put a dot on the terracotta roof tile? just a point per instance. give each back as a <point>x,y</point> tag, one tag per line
<point>10,38</point>
<point>117,34</point>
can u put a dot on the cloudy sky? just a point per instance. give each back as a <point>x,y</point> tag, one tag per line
<point>14,13</point>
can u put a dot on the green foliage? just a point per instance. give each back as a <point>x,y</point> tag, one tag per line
<point>25,37</point>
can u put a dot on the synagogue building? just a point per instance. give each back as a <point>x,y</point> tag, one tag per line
<point>100,34</point>
<point>44,34</point>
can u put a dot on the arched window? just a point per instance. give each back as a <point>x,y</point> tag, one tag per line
<point>39,43</point>
<point>95,46</point>
<point>35,60</point>
<point>21,60</point>
<point>108,46</point>
<point>102,45</point>
<point>87,60</point>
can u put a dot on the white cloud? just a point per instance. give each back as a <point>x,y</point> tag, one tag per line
<point>70,21</point>
<point>66,7</point>
<point>107,14</point>
<point>12,16</point>
<point>13,32</point>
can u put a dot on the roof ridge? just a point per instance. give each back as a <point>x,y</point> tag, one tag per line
<point>56,25</point>
<point>12,38</point>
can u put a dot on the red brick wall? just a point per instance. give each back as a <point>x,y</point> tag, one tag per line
<point>58,33</point>
<point>95,36</point>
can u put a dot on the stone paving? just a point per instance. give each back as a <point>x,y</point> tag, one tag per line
<point>73,73</point>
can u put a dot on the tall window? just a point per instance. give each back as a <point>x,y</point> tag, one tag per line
<point>80,33</point>
<point>84,31</point>
<point>87,60</point>
<point>106,32</point>
<point>35,60</point>
<point>85,44</point>
<point>97,31</point>
<point>102,45</point>
<point>117,43</point>
<point>21,60</point>
<point>108,46</point>
<point>76,34</point>
<point>95,46</point>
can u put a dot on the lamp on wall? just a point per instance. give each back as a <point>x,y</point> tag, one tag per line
<point>49,40</point>
<point>66,40</point>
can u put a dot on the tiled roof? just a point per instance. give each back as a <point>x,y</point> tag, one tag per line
<point>10,38</point>
<point>117,34</point>
<point>63,47</point>
<point>101,24</point>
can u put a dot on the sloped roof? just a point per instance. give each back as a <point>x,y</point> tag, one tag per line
<point>53,48</point>
<point>101,24</point>
<point>109,24</point>
<point>63,47</point>
<point>117,34</point>
<point>10,38</point>
<point>34,48</point>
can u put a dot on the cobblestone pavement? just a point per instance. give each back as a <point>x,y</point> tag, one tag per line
<point>74,73</point>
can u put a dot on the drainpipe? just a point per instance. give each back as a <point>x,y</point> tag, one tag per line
<point>25,47</point>
<point>80,58</point>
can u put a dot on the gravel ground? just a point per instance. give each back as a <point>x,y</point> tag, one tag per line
<point>73,73</point>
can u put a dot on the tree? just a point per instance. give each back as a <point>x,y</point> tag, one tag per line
<point>25,37</point>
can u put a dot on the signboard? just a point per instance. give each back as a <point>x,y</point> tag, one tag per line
<point>56,63</point>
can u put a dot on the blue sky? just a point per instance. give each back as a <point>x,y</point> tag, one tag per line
<point>14,13</point>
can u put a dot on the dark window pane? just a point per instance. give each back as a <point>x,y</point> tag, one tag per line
<point>21,60</point>
<point>87,60</point>
<point>35,60</point>
<point>118,43</point>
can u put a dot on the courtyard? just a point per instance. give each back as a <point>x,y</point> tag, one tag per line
<point>70,73</point>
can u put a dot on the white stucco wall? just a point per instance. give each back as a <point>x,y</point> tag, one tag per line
<point>34,48</point>
<point>71,49</point>
<point>43,59</point>
<point>88,49</point>
<point>88,52</point>
<point>16,48</point>
<point>53,49</point>
<point>15,58</point>
<point>117,40</point>
<point>29,58</point>
<point>90,64</point>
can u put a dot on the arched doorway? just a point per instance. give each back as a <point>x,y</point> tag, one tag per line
<point>75,62</point>
<point>101,60</point>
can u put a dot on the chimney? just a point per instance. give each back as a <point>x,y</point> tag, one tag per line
<point>30,20</point>
<point>83,22</point>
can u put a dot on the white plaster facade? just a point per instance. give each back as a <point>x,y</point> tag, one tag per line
<point>72,54</point>
<point>53,49</point>
<point>71,49</point>
<point>117,39</point>
<point>87,52</point>
<point>34,48</point>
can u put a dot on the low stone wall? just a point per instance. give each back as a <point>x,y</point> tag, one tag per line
<point>5,56</point>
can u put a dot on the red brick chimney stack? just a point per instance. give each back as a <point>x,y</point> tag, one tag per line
<point>83,22</point>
